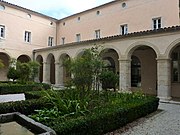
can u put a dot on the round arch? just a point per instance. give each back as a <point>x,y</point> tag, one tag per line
<point>39,59</point>
<point>79,53</point>
<point>112,56</point>
<point>66,75</point>
<point>136,45</point>
<point>143,67</point>
<point>24,58</point>
<point>3,71</point>
<point>171,47</point>
<point>51,68</point>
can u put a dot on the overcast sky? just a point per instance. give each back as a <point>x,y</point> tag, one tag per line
<point>58,8</point>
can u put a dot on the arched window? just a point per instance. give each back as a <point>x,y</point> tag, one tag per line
<point>135,72</point>
<point>176,65</point>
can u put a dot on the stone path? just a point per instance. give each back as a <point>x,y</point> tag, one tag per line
<point>165,121</point>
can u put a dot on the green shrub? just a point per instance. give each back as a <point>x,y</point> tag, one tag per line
<point>104,117</point>
<point>25,107</point>
<point>13,88</point>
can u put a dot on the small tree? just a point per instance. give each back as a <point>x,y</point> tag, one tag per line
<point>34,69</point>
<point>12,74</point>
<point>86,69</point>
<point>109,79</point>
<point>24,71</point>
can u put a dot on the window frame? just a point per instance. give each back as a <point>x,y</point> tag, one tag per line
<point>27,36</point>
<point>124,29</point>
<point>97,34</point>
<point>78,37</point>
<point>2,34</point>
<point>63,40</point>
<point>156,23</point>
<point>50,41</point>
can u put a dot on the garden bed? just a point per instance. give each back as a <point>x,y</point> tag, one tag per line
<point>102,113</point>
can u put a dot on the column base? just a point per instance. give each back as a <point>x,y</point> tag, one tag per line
<point>58,87</point>
<point>165,99</point>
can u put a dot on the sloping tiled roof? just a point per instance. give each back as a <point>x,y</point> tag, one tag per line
<point>25,9</point>
<point>115,37</point>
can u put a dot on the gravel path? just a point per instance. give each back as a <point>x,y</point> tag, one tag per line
<point>165,121</point>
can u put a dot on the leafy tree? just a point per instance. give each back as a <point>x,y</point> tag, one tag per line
<point>34,69</point>
<point>109,79</point>
<point>86,69</point>
<point>24,71</point>
<point>12,74</point>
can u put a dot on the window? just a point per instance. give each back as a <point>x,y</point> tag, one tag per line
<point>135,72</point>
<point>98,13</point>
<point>2,7</point>
<point>27,36</point>
<point>64,23</point>
<point>78,37</point>
<point>28,15</point>
<point>79,18</point>
<point>2,31</point>
<point>124,29</point>
<point>176,66</point>
<point>123,5</point>
<point>51,23</point>
<point>157,23</point>
<point>50,41</point>
<point>63,40</point>
<point>97,34</point>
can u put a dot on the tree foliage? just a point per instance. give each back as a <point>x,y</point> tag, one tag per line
<point>23,71</point>
<point>34,69</point>
<point>12,74</point>
<point>88,71</point>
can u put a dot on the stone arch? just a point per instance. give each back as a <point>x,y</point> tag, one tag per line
<point>147,77</point>
<point>136,45</point>
<point>65,74</point>
<point>51,68</point>
<point>112,56</point>
<point>24,58</point>
<point>3,71</point>
<point>39,59</point>
<point>79,53</point>
<point>173,54</point>
<point>171,47</point>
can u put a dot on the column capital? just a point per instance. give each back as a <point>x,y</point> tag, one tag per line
<point>124,60</point>
<point>163,58</point>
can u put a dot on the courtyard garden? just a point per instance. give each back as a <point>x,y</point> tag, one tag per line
<point>90,104</point>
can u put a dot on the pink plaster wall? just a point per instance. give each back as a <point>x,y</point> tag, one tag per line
<point>137,14</point>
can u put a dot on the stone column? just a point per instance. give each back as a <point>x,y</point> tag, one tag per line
<point>46,72</point>
<point>124,74</point>
<point>58,74</point>
<point>164,78</point>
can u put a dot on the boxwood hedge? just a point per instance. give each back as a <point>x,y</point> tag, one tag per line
<point>13,88</point>
<point>103,120</point>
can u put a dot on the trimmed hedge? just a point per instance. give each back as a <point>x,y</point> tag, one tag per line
<point>13,88</point>
<point>24,107</point>
<point>103,120</point>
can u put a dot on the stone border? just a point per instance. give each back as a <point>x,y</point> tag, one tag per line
<point>27,122</point>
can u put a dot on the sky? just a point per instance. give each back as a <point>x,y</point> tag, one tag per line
<point>58,8</point>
